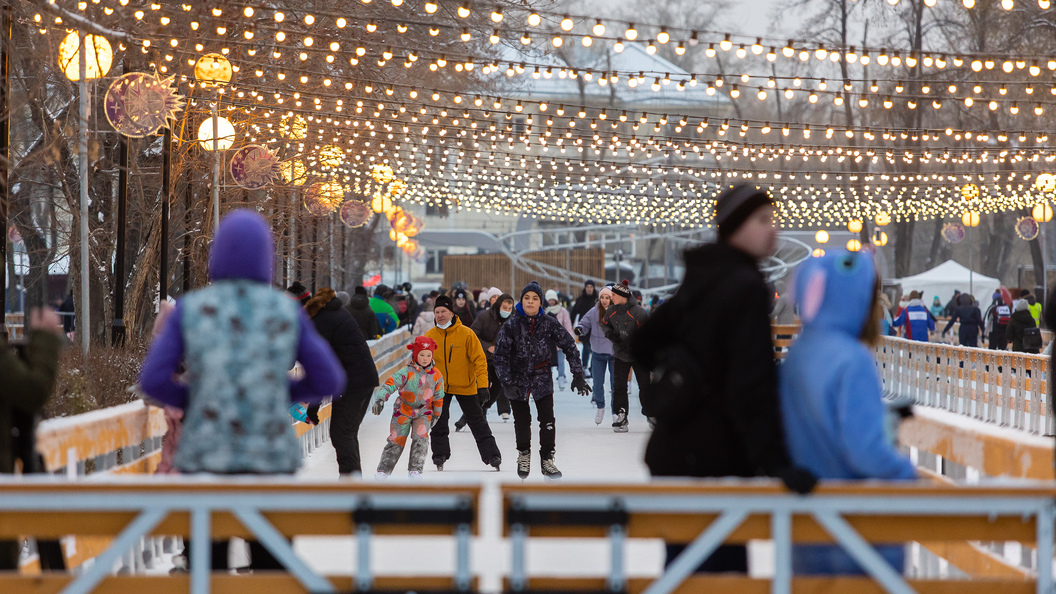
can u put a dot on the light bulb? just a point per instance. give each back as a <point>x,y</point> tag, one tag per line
<point>496,15</point>
<point>431,7</point>
<point>599,29</point>
<point>567,24</point>
<point>534,19</point>
<point>663,36</point>
<point>631,32</point>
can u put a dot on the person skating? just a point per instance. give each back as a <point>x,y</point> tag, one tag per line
<point>418,406</point>
<point>1022,332</point>
<point>486,327</point>
<point>713,361</point>
<point>462,362</point>
<point>832,404</point>
<point>590,332</point>
<point>916,318</point>
<point>522,363</point>
<point>971,320</point>
<point>387,317</point>
<point>620,324</point>
<point>586,300</point>
<point>366,319</point>
<point>997,317</point>
<point>336,325</point>
<point>464,308</point>
<point>554,308</point>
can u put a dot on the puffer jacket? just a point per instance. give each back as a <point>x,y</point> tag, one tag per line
<point>522,354</point>
<point>620,324</point>
<point>360,309</point>
<point>486,327</point>
<point>459,358</point>
<point>337,327</point>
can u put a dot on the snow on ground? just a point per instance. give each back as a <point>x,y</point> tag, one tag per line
<point>585,452</point>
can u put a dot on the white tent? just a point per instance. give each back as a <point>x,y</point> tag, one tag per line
<point>945,278</point>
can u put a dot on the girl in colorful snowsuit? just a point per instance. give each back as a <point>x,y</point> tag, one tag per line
<point>421,400</point>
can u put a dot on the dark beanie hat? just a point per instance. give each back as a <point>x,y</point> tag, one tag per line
<point>360,290</point>
<point>445,302</point>
<point>623,290</point>
<point>299,292</point>
<point>459,293</point>
<point>735,205</point>
<point>532,287</point>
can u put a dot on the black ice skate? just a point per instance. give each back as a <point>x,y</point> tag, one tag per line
<point>619,422</point>
<point>496,461</point>
<point>550,470</point>
<point>524,463</point>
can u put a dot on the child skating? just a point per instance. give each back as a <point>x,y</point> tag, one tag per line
<point>421,399</point>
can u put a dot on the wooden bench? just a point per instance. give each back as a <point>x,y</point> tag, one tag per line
<point>271,511</point>
<point>705,514</point>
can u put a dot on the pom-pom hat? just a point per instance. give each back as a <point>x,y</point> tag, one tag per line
<point>422,343</point>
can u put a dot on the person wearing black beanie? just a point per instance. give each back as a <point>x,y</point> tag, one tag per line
<point>299,292</point>
<point>709,347</point>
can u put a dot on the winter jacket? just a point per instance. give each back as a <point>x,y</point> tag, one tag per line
<point>459,358</point>
<point>467,314</point>
<point>583,304</point>
<point>938,310</point>
<point>368,323</point>
<point>993,329</point>
<point>522,354</point>
<point>592,325</point>
<point>917,321</point>
<point>971,320</point>
<point>425,321</point>
<point>1035,312</point>
<point>486,327</point>
<point>421,391</point>
<point>563,317</point>
<point>238,337</point>
<point>28,380</point>
<point>386,315</point>
<point>714,372</point>
<point>620,324</point>
<point>339,329</point>
<point>831,397</point>
<point>1020,321</point>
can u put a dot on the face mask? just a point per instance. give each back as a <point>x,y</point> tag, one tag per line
<point>444,326</point>
<point>504,313</point>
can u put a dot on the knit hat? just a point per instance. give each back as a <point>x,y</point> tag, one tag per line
<point>360,290</point>
<point>422,343</point>
<point>589,282</point>
<point>299,292</point>
<point>623,290</point>
<point>605,290</point>
<point>735,205</point>
<point>1022,305</point>
<point>551,294</point>
<point>492,292</point>
<point>459,294</point>
<point>445,302</point>
<point>532,287</point>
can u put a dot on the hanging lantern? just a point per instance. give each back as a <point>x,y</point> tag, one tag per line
<point>882,219</point>
<point>139,104</point>
<point>294,172</point>
<point>331,156</point>
<point>213,70</point>
<point>254,166</point>
<point>382,174</point>
<point>225,134</point>
<point>855,226</point>
<point>970,219</point>
<point>1027,228</point>
<point>1045,182</point>
<point>953,233</point>
<point>296,127</point>
<point>397,187</point>
<point>1042,212</point>
<point>854,245</point>
<point>821,236</point>
<point>969,191</point>
<point>100,56</point>
<point>354,213</point>
<point>322,198</point>
<point>879,238</point>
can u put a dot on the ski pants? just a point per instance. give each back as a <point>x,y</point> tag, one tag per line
<point>522,425</point>
<point>402,427</point>
<point>475,419</point>
<point>619,389</point>
<point>346,415</point>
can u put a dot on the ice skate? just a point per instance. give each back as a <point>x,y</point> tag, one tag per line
<point>550,470</point>
<point>380,476</point>
<point>524,463</point>
<point>562,383</point>
<point>505,417</point>
<point>415,475</point>
<point>599,416</point>
<point>495,462</point>
<point>619,422</point>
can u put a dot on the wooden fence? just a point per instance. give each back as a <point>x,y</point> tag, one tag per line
<point>496,270</point>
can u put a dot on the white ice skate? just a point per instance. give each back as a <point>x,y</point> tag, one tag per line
<point>599,416</point>
<point>505,417</point>
<point>415,475</point>
<point>380,476</point>
<point>561,383</point>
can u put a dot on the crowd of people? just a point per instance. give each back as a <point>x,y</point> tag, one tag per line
<point>232,362</point>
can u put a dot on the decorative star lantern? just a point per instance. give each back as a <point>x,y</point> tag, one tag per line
<point>139,104</point>
<point>1027,228</point>
<point>254,166</point>
<point>953,233</point>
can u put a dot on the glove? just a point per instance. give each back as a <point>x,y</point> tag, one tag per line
<point>379,405</point>
<point>298,413</point>
<point>313,414</point>
<point>579,384</point>
<point>578,331</point>
<point>513,392</point>
<point>483,395</point>
<point>797,479</point>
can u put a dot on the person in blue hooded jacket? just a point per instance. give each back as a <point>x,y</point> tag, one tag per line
<point>831,398</point>
<point>916,318</point>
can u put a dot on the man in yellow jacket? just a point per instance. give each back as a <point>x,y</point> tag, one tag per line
<point>461,360</point>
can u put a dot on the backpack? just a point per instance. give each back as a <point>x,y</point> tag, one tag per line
<point>1004,314</point>
<point>1032,340</point>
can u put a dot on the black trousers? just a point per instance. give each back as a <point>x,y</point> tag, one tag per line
<point>475,419</point>
<point>620,387</point>
<point>522,425</point>
<point>725,559</point>
<point>998,341</point>
<point>346,415</point>
<point>498,396</point>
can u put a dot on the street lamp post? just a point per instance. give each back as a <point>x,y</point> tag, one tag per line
<point>214,70</point>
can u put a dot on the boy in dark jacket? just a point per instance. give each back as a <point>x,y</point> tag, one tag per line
<point>522,362</point>
<point>337,327</point>
<point>621,322</point>
<point>710,350</point>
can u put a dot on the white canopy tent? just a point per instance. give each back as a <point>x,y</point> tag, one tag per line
<point>947,277</point>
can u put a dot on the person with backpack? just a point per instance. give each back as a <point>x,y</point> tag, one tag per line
<point>971,320</point>
<point>1022,332</point>
<point>916,318</point>
<point>997,318</point>
<point>714,374</point>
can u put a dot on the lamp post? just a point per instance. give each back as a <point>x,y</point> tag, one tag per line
<point>971,220</point>
<point>1042,214</point>
<point>80,65</point>
<point>214,70</point>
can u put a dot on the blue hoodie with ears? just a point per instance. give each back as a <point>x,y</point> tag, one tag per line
<point>831,397</point>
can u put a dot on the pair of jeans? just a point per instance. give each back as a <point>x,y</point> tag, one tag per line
<point>346,415</point>
<point>619,390</point>
<point>560,365</point>
<point>522,425</point>
<point>586,357</point>
<point>598,366</point>
<point>477,424</point>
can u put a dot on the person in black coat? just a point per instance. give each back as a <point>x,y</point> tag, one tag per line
<point>716,406</point>
<point>359,307</point>
<point>486,327</point>
<point>337,326</point>
<point>971,320</point>
<point>586,300</point>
